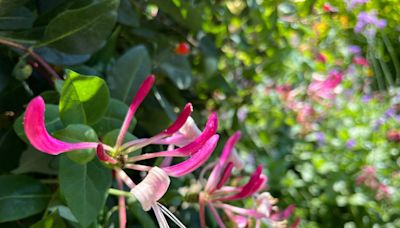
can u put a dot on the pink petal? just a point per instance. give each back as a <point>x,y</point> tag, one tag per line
<point>152,188</point>
<point>142,92</point>
<point>241,211</point>
<point>225,175</point>
<point>195,161</point>
<point>284,214</point>
<point>103,156</point>
<point>187,133</point>
<point>252,186</point>
<point>38,136</point>
<point>181,120</point>
<point>189,149</point>
<point>216,173</point>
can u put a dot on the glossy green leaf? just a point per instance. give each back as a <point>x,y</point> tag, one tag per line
<point>84,188</point>
<point>128,73</point>
<point>7,6</point>
<point>127,14</point>
<point>21,18</point>
<point>84,99</point>
<point>177,68</point>
<point>113,118</point>
<point>21,196</point>
<point>78,133</point>
<point>51,118</point>
<point>82,30</point>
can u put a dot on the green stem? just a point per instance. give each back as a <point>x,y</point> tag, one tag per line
<point>116,192</point>
<point>29,51</point>
<point>393,56</point>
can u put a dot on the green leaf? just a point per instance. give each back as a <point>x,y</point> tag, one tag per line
<point>21,18</point>
<point>83,30</point>
<point>127,14</point>
<point>11,148</point>
<point>113,118</point>
<point>84,188</point>
<point>6,6</point>
<point>21,196</point>
<point>35,161</point>
<point>52,221</point>
<point>56,57</point>
<point>177,68</point>
<point>78,133</point>
<point>84,99</point>
<point>51,118</point>
<point>128,73</point>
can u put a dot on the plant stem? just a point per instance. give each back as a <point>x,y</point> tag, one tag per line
<point>116,192</point>
<point>29,51</point>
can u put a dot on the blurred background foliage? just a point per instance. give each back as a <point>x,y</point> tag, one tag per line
<point>235,55</point>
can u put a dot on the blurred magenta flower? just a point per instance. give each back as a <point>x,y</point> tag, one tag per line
<point>324,88</point>
<point>321,57</point>
<point>329,8</point>
<point>359,60</point>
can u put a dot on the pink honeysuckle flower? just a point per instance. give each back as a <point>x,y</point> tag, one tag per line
<point>216,194</point>
<point>197,146</point>
<point>324,88</point>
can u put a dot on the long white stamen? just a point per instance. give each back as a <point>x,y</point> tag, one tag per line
<point>170,215</point>
<point>162,222</point>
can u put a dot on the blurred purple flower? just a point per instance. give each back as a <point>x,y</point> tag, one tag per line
<point>354,49</point>
<point>242,113</point>
<point>366,98</point>
<point>390,113</point>
<point>352,3</point>
<point>320,136</point>
<point>368,22</point>
<point>350,143</point>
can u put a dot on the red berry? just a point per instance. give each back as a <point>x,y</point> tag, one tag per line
<point>182,48</point>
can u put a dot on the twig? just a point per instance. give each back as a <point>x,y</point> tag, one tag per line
<point>34,55</point>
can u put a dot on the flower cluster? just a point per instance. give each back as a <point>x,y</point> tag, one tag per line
<point>190,142</point>
<point>368,178</point>
<point>368,23</point>
<point>217,194</point>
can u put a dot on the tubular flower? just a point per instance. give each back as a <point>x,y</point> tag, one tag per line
<point>183,133</point>
<point>324,89</point>
<point>216,194</point>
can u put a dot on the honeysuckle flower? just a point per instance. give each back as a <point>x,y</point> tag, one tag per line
<point>197,146</point>
<point>324,88</point>
<point>216,194</point>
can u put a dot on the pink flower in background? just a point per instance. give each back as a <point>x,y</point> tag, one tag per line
<point>321,57</point>
<point>195,145</point>
<point>324,88</point>
<point>329,8</point>
<point>360,61</point>
<point>369,179</point>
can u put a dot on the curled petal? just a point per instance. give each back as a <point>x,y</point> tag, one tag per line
<point>181,120</point>
<point>142,92</point>
<point>175,126</point>
<point>253,185</point>
<point>152,188</point>
<point>215,175</point>
<point>195,161</point>
<point>38,136</point>
<point>103,156</point>
<point>225,175</point>
<point>187,133</point>
<point>283,214</point>
<point>189,149</point>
